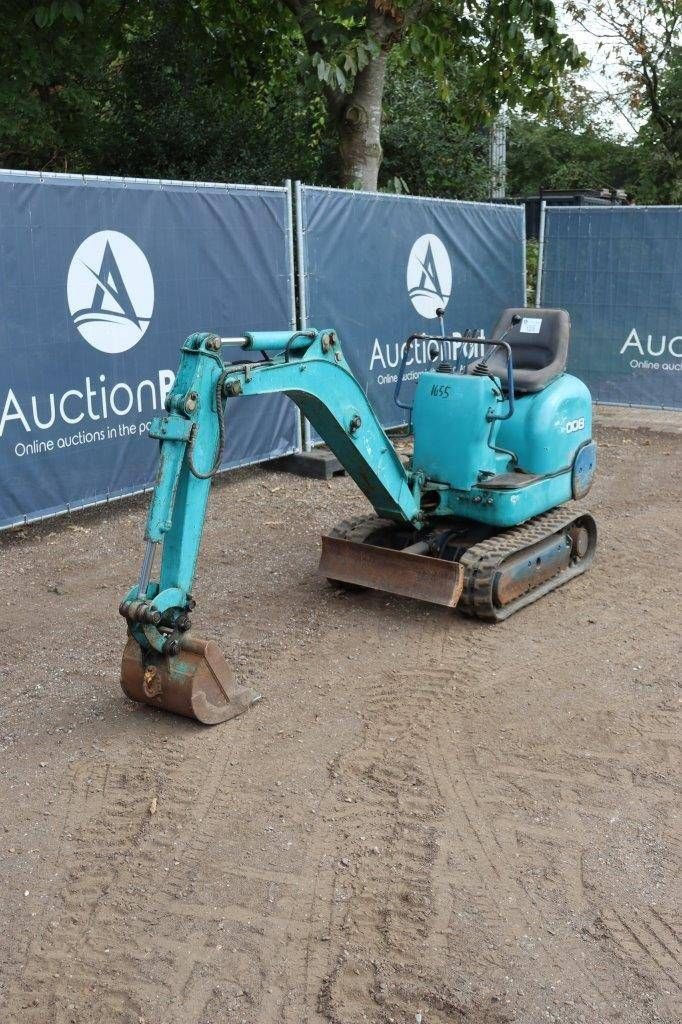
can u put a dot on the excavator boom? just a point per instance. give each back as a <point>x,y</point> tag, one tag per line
<point>164,664</point>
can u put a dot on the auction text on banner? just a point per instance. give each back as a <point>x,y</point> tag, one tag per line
<point>100,283</point>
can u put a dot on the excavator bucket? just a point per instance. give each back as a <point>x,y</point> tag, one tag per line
<point>397,572</point>
<point>197,683</point>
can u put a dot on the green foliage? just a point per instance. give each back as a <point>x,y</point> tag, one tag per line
<point>220,99</point>
<point>50,66</point>
<point>340,70</point>
<point>239,90</point>
<point>532,259</point>
<point>660,140</point>
<point>426,144</point>
<point>574,147</point>
<point>155,90</point>
<point>638,43</point>
<point>513,48</point>
<point>46,15</point>
<point>190,116</point>
<point>548,156</point>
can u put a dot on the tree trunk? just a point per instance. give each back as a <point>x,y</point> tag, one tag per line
<point>358,122</point>
<point>356,116</point>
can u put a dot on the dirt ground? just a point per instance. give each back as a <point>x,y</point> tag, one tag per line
<point>424,816</point>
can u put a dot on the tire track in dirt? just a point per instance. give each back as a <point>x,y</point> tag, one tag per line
<point>377,852</point>
<point>491,861</point>
<point>116,865</point>
<point>396,916</point>
<point>414,926</point>
<point>564,801</point>
<point>644,938</point>
<point>503,825</point>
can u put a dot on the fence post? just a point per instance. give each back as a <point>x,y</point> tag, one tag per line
<point>541,253</point>
<point>525,266</point>
<point>293,323</point>
<point>290,252</point>
<point>302,310</point>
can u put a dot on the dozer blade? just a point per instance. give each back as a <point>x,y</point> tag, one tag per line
<point>397,572</point>
<point>197,683</point>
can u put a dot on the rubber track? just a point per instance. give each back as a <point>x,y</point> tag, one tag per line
<point>482,562</point>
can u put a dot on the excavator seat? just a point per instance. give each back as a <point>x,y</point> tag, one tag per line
<point>539,344</point>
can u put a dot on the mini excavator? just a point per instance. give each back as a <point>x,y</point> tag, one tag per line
<point>476,520</point>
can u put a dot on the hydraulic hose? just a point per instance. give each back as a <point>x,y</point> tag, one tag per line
<point>220,411</point>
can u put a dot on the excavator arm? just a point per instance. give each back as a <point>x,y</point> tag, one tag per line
<point>308,367</point>
<point>162,662</point>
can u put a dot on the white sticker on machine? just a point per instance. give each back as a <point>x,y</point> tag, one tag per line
<point>530,325</point>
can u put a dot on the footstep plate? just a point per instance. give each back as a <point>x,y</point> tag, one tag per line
<point>396,572</point>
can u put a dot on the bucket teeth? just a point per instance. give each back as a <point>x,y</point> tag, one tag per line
<point>197,683</point>
<point>397,572</point>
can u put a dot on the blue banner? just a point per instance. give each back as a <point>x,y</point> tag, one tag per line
<point>376,267</point>
<point>617,272</point>
<point>101,280</point>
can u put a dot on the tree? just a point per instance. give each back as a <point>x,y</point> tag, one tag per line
<point>247,88</point>
<point>513,48</point>
<point>639,38</point>
<point>160,89</point>
<point>661,148</point>
<point>208,109</point>
<point>428,147</point>
<point>50,64</point>
<point>571,147</point>
<point>574,146</point>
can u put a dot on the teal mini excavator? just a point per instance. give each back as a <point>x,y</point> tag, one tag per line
<point>476,520</point>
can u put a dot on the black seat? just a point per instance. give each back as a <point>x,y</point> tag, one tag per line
<point>539,344</point>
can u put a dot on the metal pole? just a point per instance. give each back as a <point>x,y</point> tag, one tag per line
<point>541,254</point>
<point>301,275</point>
<point>292,279</point>
<point>290,251</point>
<point>498,156</point>
<point>525,258</point>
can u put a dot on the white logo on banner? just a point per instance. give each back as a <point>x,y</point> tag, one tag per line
<point>429,275</point>
<point>110,290</point>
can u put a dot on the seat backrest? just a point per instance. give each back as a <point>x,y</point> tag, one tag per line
<point>539,344</point>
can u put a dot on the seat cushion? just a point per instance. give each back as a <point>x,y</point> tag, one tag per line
<point>539,344</point>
